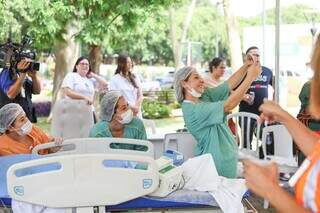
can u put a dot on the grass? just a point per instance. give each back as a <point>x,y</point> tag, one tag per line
<point>43,124</point>
<point>167,122</point>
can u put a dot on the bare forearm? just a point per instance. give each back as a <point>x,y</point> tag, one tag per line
<point>101,81</point>
<point>36,85</point>
<point>303,137</point>
<point>15,88</point>
<point>74,95</point>
<point>283,201</point>
<point>237,77</point>
<point>235,97</point>
<point>140,98</point>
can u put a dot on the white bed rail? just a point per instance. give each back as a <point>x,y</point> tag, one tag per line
<point>82,180</point>
<point>97,145</point>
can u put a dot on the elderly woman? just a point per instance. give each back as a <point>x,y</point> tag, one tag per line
<point>204,112</point>
<point>18,134</point>
<point>117,119</point>
<point>263,180</point>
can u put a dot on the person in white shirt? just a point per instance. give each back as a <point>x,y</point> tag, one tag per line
<point>79,84</point>
<point>128,84</point>
<point>217,68</point>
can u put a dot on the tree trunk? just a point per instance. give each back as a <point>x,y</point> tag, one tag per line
<point>66,54</point>
<point>95,58</point>
<point>176,44</point>
<point>233,36</point>
<point>176,47</point>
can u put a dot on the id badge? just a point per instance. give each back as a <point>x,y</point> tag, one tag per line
<point>304,166</point>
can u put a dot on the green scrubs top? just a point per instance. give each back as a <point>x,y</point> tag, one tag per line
<point>207,123</point>
<point>304,97</point>
<point>134,130</point>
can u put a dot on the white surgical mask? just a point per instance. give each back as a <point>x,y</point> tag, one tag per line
<point>194,93</point>
<point>25,128</point>
<point>127,117</point>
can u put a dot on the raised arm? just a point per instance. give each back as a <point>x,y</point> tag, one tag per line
<point>239,75</point>
<point>36,84</point>
<point>234,99</point>
<point>101,81</point>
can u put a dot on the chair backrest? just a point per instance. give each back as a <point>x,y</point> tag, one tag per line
<point>150,124</point>
<point>71,119</point>
<point>241,119</point>
<point>282,139</point>
<point>183,142</point>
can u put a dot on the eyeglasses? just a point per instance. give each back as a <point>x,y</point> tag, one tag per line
<point>83,64</point>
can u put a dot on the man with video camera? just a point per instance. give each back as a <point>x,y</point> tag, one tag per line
<point>17,84</point>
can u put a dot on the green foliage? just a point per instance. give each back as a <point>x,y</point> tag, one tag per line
<point>207,26</point>
<point>166,96</point>
<point>43,20</point>
<point>152,109</point>
<point>46,20</point>
<point>294,14</point>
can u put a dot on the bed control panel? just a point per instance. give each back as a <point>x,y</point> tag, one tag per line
<point>170,177</point>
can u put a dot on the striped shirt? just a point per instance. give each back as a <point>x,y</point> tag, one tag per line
<point>308,185</point>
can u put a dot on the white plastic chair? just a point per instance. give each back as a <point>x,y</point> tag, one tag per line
<point>182,142</point>
<point>150,124</point>
<point>71,119</point>
<point>283,144</point>
<point>254,150</point>
<point>283,154</point>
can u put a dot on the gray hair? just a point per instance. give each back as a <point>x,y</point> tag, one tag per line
<point>180,76</point>
<point>108,104</point>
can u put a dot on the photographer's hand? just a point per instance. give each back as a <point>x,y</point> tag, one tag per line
<point>23,64</point>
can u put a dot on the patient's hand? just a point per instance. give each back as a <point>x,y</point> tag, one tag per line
<point>58,142</point>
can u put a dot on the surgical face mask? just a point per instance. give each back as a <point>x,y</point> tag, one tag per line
<point>194,93</point>
<point>25,128</point>
<point>127,117</point>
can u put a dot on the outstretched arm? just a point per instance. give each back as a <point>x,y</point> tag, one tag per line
<point>305,139</point>
<point>236,78</point>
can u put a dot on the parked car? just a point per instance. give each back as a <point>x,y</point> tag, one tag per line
<point>167,81</point>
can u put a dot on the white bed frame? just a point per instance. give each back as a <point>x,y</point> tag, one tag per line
<point>96,145</point>
<point>83,181</point>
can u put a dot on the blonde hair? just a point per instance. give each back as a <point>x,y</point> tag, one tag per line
<point>315,83</point>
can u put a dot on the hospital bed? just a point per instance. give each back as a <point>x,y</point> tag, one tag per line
<point>84,175</point>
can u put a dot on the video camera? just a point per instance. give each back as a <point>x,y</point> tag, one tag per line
<point>12,53</point>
